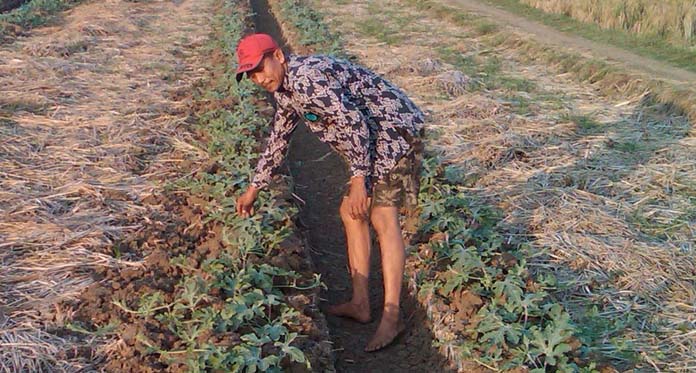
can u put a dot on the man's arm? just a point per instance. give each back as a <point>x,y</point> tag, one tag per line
<point>284,123</point>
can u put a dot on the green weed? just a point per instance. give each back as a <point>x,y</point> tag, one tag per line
<point>486,69</point>
<point>627,146</point>
<point>8,126</point>
<point>376,28</point>
<point>520,104</point>
<point>517,84</point>
<point>659,229</point>
<point>585,124</point>
<point>484,28</point>
<point>28,106</point>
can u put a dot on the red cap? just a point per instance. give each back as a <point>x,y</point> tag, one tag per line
<point>250,51</point>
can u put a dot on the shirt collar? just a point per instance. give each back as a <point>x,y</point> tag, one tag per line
<point>290,68</point>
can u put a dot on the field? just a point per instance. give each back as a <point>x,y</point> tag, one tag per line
<point>552,172</point>
<point>657,30</point>
<point>125,142</point>
<point>674,21</point>
<point>558,198</point>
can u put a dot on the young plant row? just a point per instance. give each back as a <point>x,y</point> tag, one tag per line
<point>504,315</point>
<point>228,312</point>
<point>312,32</point>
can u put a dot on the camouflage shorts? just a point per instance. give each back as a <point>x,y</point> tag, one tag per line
<point>400,187</point>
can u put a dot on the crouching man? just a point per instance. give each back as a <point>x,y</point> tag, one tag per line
<point>375,128</point>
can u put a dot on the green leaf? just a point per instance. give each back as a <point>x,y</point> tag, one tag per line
<point>295,353</point>
<point>511,289</point>
<point>549,342</point>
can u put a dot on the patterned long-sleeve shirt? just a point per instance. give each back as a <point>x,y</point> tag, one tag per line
<point>361,115</point>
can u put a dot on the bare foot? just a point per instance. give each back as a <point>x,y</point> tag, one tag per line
<point>389,328</point>
<point>357,312</point>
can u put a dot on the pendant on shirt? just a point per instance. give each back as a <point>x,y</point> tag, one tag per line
<point>311,117</point>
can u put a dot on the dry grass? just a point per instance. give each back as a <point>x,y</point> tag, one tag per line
<point>674,20</point>
<point>89,123</point>
<point>28,349</point>
<point>611,79</point>
<point>602,187</point>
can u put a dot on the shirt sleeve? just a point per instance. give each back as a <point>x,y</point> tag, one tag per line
<point>284,123</point>
<point>327,97</point>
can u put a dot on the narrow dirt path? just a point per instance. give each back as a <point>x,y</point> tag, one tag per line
<point>319,176</point>
<point>550,35</point>
<point>319,182</point>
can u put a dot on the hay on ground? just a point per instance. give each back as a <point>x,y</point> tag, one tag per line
<point>91,123</point>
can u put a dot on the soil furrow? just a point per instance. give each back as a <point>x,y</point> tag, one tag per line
<point>8,5</point>
<point>319,176</point>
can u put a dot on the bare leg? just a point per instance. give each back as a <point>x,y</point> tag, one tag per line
<point>385,220</point>
<point>358,242</point>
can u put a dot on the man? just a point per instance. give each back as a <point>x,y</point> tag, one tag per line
<point>375,128</point>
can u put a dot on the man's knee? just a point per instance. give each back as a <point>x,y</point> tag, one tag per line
<point>344,212</point>
<point>384,219</point>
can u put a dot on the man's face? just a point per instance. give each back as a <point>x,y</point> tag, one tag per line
<point>270,72</point>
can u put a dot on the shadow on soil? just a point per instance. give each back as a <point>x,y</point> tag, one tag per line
<point>7,5</point>
<point>631,143</point>
<point>320,175</point>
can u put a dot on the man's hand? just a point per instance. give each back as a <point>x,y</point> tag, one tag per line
<point>245,202</point>
<point>357,198</point>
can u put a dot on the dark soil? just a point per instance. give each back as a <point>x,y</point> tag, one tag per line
<point>180,231</point>
<point>320,176</point>
<point>7,5</point>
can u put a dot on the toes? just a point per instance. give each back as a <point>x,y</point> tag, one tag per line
<point>351,311</point>
<point>385,336</point>
<point>373,346</point>
<point>376,345</point>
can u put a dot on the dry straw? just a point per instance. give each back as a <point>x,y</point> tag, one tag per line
<point>89,126</point>
<point>603,186</point>
<point>674,20</point>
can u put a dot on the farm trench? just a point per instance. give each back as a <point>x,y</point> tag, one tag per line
<point>319,175</point>
<point>8,5</point>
